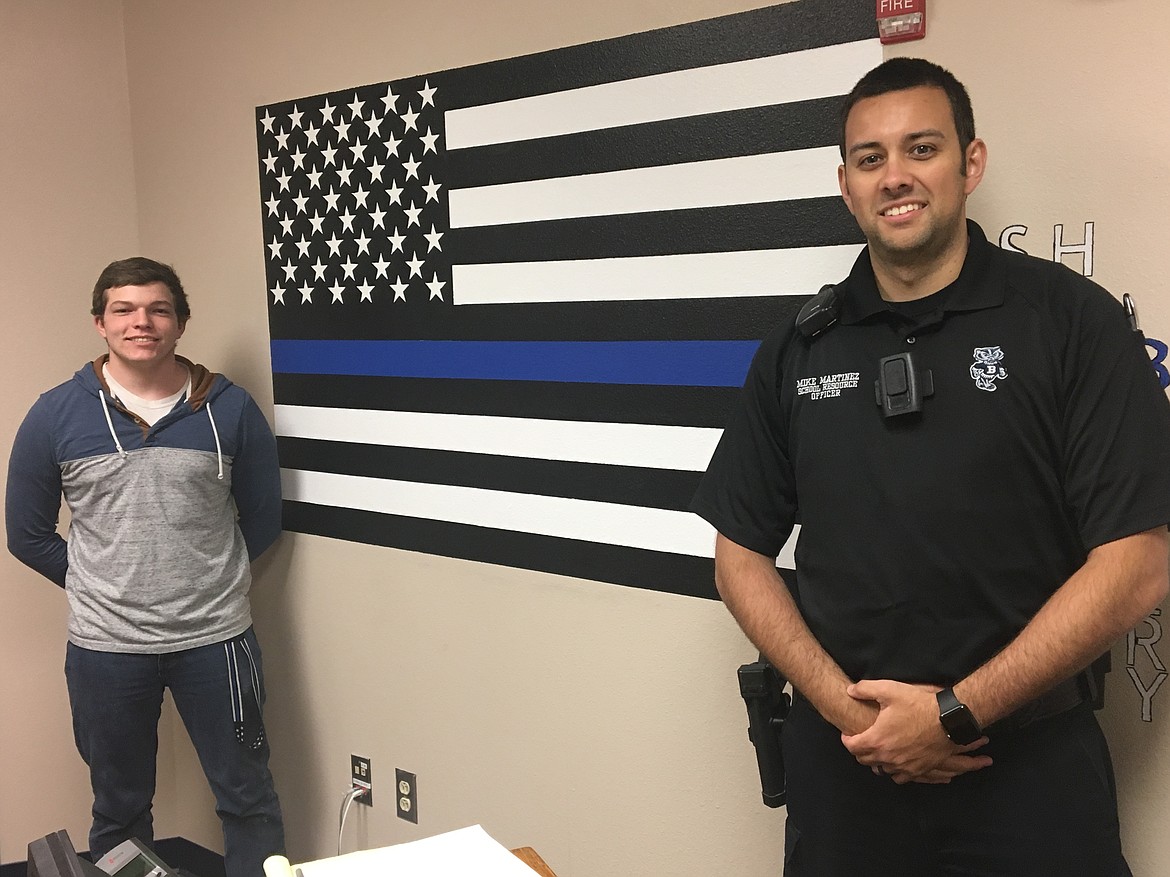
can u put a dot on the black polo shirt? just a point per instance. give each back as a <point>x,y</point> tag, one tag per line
<point>929,540</point>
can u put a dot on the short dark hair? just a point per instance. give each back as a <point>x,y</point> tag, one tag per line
<point>139,271</point>
<point>899,74</point>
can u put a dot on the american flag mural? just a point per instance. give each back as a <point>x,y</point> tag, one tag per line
<point>511,304</point>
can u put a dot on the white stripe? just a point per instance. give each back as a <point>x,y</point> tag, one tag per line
<point>587,520</point>
<point>796,76</point>
<point>795,271</point>
<point>749,179</point>
<point>686,448</point>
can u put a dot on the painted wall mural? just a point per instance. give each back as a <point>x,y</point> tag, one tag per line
<point>510,304</point>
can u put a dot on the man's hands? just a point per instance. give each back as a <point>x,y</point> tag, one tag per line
<point>907,742</point>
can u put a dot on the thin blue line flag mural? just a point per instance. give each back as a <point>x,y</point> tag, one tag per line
<point>511,304</point>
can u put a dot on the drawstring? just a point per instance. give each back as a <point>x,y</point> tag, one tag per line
<point>215,432</point>
<point>110,423</point>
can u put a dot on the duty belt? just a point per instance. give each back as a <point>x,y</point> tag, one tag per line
<point>1067,695</point>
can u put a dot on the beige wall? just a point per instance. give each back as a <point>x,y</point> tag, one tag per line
<point>597,723</point>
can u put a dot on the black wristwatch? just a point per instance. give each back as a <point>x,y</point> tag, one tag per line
<point>957,720</point>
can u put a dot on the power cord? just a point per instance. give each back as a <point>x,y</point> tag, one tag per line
<point>350,796</point>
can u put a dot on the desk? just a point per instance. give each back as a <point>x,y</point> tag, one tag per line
<point>529,857</point>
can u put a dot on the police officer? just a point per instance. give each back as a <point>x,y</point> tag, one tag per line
<point>975,446</point>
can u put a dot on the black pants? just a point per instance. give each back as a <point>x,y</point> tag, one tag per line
<point>1047,807</point>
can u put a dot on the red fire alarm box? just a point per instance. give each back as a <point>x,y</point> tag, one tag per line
<point>901,20</point>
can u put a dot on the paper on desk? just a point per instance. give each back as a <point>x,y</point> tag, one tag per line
<point>470,851</point>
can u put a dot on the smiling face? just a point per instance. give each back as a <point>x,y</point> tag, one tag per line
<point>906,180</point>
<point>140,325</point>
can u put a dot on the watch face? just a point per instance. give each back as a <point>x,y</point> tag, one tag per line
<point>960,725</point>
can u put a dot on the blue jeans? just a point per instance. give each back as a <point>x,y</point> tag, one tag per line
<point>219,692</point>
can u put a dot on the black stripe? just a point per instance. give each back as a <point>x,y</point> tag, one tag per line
<point>789,27</point>
<point>626,485</point>
<point>652,570</point>
<point>753,131</point>
<point>671,319</point>
<point>771,225</point>
<point>613,403</point>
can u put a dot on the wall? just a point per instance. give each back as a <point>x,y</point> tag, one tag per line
<point>599,724</point>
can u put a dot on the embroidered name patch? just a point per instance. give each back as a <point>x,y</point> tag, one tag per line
<point>827,386</point>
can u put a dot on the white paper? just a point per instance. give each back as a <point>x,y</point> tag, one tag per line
<point>470,851</point>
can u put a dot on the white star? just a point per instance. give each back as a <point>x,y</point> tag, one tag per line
<point>379,217</point>
<point>272,203</point>
<point>277,294</point>
<point>359,197</point>
<point>342,129</point>
<point>395,192</point>
<point>319,269</point>
<point>300,200</point>
<point>415,264</point>
<point>283,180</point>
<point>428,140</point>
<point>432,189</point>
<point>396,240</point>
<point>390,99</point>
<point>329,153</point>
<point>274,247</point>
<point>409,119</point>
<point>347,219</point>
<point>399,290</point>
<point>374,124</point>
<point>348,267</point>
<point>337,289</point>
<point>380,267</point>
<point>282,139</point>
<point>286,225</point>
<point>375,168</point>
<point>363,244</point>
<point>392,144</point>
<point>343,173</point>
<point>316,221</point>
<point>302,247</point>
<point>306,293</point>
<point>289,270</point>
<point>412,213</point>
<point>358,149</point>
<point>365,289</point>
<point>334,243</point>
<point>356,106</point>
<point>270,162</point>
<point>314,178</point>
<point>433,240</point>
<point>436,287</point>
<point>411,167</point>
<point>428,93</point>
<point>311,133</point>
<point>295,117</point>
<point>266,120</point>
<point>331,199</point>
<point>327,112</point>
<point>298,158</point>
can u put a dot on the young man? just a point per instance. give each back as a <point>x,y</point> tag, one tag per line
<point>981,517</point>
<point>171,478</point>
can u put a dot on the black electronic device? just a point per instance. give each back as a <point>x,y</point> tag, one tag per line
<point>901,386</point>
<point>957,720</point>
<point>762,688</point>
<point>819,313</point>
<point>54,856</point>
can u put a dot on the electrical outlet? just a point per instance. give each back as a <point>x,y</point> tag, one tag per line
<point>361,777</point>
<point>407,790</point>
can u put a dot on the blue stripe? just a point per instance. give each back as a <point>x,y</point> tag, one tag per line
<point>673,363</point>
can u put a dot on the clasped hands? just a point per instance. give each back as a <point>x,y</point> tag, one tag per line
<point>906,741</point>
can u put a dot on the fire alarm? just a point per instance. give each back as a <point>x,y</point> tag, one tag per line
<point>901,20</point>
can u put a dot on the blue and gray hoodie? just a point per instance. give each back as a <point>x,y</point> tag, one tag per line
<point>157,558</point>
